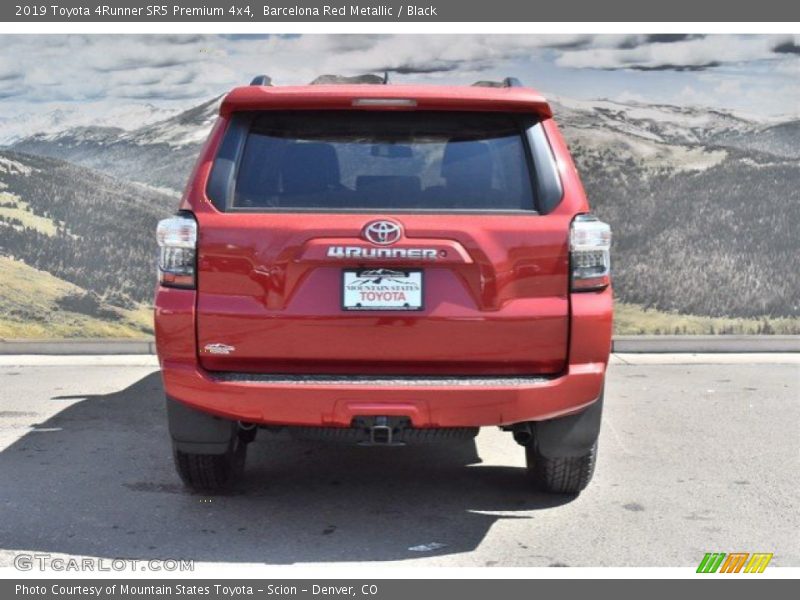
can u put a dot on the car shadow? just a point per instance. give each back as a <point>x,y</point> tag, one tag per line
<point>97,479</point>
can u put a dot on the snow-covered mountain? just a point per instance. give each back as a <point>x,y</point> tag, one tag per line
<point>655,122</point>
<point>159,154</point>
<point>650,128</point>
<point>188,128</point>
<point>54,121</point>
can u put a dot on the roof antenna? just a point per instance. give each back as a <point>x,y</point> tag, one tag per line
<point>385,77</point>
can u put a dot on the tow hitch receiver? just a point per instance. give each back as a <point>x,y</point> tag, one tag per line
<point>382,430</point>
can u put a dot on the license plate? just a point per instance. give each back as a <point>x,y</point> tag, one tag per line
<point>382,289</point>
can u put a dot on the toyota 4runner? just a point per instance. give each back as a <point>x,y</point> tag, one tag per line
<point>385,265</point>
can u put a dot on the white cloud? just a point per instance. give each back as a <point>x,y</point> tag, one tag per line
<point>686,54</point>
<point>9,69</point>
<point>37,72</point>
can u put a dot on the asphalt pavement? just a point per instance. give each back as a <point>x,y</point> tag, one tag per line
<point>697,454</point>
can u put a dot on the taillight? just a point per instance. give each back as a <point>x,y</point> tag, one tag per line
<point>590,259</point>
<point>177,242</point>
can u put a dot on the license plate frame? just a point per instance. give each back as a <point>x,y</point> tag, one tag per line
<point>388,284</point>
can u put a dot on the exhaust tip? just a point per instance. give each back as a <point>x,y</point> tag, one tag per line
<point>523,434</point>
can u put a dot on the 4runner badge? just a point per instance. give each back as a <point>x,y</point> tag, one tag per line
<point>344,252</point>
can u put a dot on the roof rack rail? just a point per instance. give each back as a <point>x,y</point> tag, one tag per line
<point>261,80</point>
<point>508,82</point>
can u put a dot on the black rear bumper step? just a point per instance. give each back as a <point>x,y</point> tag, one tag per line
<point>395,436</point>
<point>397,380</point>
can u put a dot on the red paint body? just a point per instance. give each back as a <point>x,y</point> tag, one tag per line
<point>497,302</point>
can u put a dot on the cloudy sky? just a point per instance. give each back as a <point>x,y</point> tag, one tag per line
<point>107,77</point>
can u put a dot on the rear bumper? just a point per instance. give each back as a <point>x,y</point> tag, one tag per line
<point>334,403</point>
<point>311,401</point>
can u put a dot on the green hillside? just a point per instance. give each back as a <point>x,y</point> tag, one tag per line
<point>35,304</point>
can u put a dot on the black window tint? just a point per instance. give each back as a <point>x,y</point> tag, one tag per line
<point>385,160</point>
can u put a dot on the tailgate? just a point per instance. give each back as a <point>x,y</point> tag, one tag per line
<point>270,295</point>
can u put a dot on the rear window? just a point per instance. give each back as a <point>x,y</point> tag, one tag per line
<point>385,161</point>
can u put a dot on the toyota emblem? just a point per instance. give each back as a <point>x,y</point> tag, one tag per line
<point>382,233</point>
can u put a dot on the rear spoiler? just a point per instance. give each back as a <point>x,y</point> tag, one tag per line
<point>385,97</point>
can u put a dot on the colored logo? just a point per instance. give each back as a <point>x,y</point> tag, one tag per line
<point>736,562</point>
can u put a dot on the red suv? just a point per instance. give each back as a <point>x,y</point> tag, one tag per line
<point>385,265</point>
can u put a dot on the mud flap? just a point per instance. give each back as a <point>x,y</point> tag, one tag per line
<point>196,432</point>
<point>569,436</point>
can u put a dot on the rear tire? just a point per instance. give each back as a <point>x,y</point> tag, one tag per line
<point>212,472</point>
<point>563,474</point>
